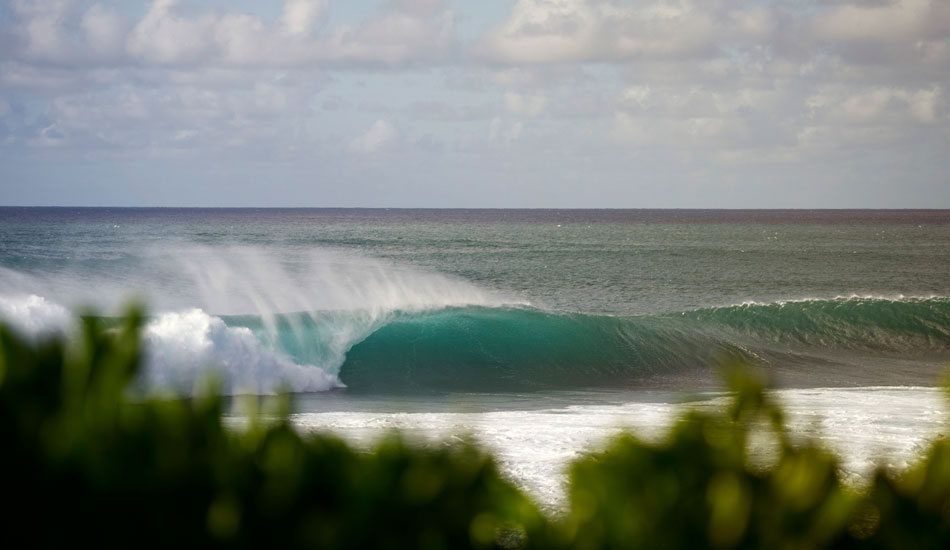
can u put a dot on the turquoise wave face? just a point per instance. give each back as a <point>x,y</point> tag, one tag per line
<point>493,349</point>
<point>479,349</point>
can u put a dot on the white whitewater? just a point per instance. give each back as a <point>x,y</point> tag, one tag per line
<point>865,427</point>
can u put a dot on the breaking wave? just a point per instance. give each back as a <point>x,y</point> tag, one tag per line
<point>523,348</point>
<point>429,332</point>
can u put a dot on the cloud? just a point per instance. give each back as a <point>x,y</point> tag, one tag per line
<point>195,116</point>
<point>901,109</point>
<point>168,35</point>
<point>494,129</point>
<point>892,20</point>
<point>43,28</point>
<point>497,133</point>
<point>418,7</point>
<point>525,105</point>
<point>444,111</point>
<point>104,31</point>
<point>560,31</point>
<point>514,132</point>
<point>163,37</point>
<point>299,16</point>
<point>379,135</point>
<point>580,88</point>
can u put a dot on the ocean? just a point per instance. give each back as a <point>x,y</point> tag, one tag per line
<point>537,332</point>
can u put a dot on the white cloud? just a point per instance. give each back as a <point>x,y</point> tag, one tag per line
<point>242,40</point>
<point>47,136</point>
<point>172,35</point>
<point>445,111</point>
<point>894,20</point>
<point>43,27</point>
<point>379,135</point>
<point>163,37</point>
<point>419,7</point>
<point>685,133</point>
<point>934,51</point>
<point>639,95</point>
<point>559,31</point>
<point>525,105</point>
<point>212,112</point>
<point>395,37</point>
<point>874,106</point>
<point>514,132</point>
<point>494,129</point>
<point>299,16</point>
<point>496,132</point>
<point>39,78</point>
<point>104,31</point>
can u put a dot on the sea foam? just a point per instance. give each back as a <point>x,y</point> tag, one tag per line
<point>34,316</point>
<point>182,348</point>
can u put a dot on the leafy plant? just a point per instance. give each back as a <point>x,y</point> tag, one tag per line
<point>85,459</point>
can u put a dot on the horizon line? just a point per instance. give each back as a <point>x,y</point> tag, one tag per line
<point>694,208</point>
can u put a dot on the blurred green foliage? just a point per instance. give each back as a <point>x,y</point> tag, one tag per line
<point>85,460</point>
<point>81,461</point>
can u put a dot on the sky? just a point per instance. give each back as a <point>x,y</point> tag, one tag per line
<point>489,104</point>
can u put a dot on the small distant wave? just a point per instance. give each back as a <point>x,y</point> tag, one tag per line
<point>898,324</point>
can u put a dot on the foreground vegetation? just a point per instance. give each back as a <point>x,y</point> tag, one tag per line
<point>85,460</point>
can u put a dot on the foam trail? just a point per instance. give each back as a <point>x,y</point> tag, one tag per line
<point>536,444</point>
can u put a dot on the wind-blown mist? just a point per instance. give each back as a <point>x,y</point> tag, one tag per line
<point>315,305</point>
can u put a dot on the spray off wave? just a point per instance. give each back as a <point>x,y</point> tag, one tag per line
<point>224,312</point>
